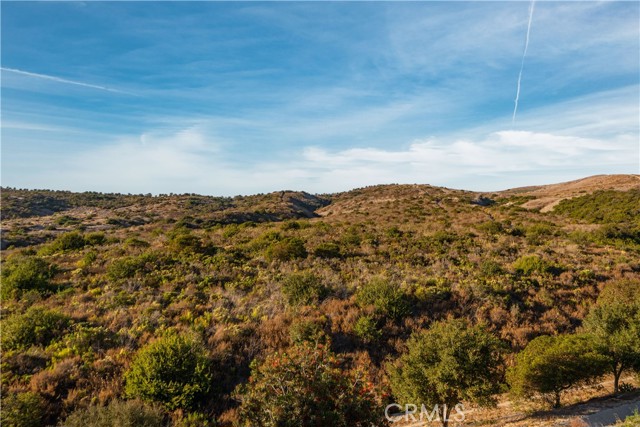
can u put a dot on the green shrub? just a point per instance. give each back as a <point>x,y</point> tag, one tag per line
<point>366,328</point>
<point>312,331</point>
<point>124,268</point>
<point>623,232</point>
<point>386,298</point>
<point>303,289</point>
<point>536,233</point>
<point>95,239</point>
<point>491,227</point>
<point>351,237</point>
<point>529,264</point>
<point>134,242</point>
<point>65,242</point>
<point>88,259</point>
<point>306,387</point>
<point>128,267</point>
<point>118,413</point>
<point>22,410</point>
<point>174,371</point>
<point>82,340</point>
<point>37,326</point>
<point>394,232</point>
<point>186,242</point>
<point>490,268</point>
<point>327,250</point>
<point>291,225</point>
<point>67,220</point>
<point>285,250</point>
<point>20,274</point>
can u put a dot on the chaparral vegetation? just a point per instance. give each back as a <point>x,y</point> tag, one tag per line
<point>291,309</point>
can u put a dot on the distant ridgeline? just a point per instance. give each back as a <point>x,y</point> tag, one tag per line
<point>18,203</point>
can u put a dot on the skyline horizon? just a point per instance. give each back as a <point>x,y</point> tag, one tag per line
<point>229,98</point>
<point>301,190</point>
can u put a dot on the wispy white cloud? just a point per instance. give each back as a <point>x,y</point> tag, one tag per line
<point>329,96</point>
<point>64,81</point>
<point>189,161</point>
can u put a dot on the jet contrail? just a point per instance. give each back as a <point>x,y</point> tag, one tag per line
<point>60,80</point>
<point>524,54</point>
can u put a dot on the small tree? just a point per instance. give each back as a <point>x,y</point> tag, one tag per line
<point>450,362</point>
<point>550,365</point>
<point>174,371</point>
<point>614,327</point>
<point>306,387</point>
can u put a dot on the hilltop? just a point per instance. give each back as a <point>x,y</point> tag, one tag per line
<point>91,281</point>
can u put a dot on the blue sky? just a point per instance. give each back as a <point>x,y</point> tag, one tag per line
<point>233,98</point>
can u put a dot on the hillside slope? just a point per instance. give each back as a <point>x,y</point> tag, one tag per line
<point>89,281</point>
<point>546,197</point>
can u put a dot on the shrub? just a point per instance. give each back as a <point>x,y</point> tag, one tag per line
<point>66,242</point>
<point>551,364</point>
<point>624,232</point>
<point>174,371</point>
<point>386,298</point>
<point>23,410</point>
<point>285,250</point>
<point>491,227</point>
<point>312,331</point>
<point>134,242</point>
<point>84,339</point>
<point>124,268</point>
<point>128,267</point>
<point>95,239</point>
<point>450,362</point>
<point>117,414</point>
<point>529,264</point>
<point>184,241</point>
<point>327,250</point>
<point>67,220</point>
<point>490,268</point>
<point>37,326</point>
<point>303,289</point>
<point>306,387</point>
<point>88,259</point>
<point>27,273</point>
<point>366,328</point>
